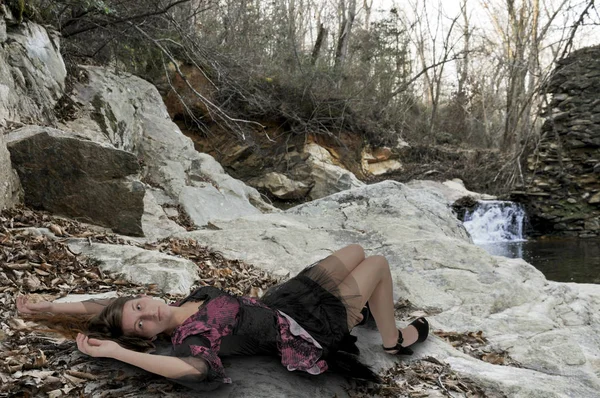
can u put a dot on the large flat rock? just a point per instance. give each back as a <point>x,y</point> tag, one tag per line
<point>551,328</point>
<point>171,274</point>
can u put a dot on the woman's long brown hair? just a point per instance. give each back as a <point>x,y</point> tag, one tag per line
<point>104,326</point>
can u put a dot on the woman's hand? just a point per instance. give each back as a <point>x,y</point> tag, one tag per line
<point>26,307</point>
<point>96,347</point>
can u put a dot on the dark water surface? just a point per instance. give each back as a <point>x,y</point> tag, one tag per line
<point>562,260</point>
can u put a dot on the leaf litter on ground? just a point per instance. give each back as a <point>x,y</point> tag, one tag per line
<point>35,260</point>
<point>426,377</point>
<point>476,345</point>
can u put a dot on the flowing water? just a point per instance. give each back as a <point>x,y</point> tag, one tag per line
<point>495,221</point>
<point>498,227</point>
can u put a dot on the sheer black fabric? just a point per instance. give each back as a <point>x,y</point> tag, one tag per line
<point>205,382</point>
<point>313,299</point>
<point>255,334</point>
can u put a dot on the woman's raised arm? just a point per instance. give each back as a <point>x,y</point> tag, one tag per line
<point>91,307</point>
<point>170,367</point>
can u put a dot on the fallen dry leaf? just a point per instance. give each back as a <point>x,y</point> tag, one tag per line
<point>74,380</point>
<point>55,394</point>
<point>81,375</point>
<point>40,360</point>
<point>56,230</point>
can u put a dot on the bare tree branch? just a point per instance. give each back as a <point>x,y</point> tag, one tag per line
<point>413,79</point>
<point>576,26</point>
<point>117,20</point>
<point>209,104</point>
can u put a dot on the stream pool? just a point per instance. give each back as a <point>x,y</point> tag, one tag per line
<point>560,259</point>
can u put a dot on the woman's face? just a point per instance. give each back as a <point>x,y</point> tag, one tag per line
<point>145,317</point>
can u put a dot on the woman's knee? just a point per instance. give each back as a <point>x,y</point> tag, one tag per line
<point>357,250</point>
<point>351,255</point>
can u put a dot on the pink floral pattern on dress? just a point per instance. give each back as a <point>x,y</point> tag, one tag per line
<point>297,351</point>
<point>212,321</point>
<point>218,318</point>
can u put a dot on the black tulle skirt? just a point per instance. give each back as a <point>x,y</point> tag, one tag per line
<point>313,299</point>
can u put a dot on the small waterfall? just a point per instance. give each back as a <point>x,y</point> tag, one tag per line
<point>495,221</point>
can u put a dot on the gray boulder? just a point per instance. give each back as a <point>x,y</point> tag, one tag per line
<point>451,190</point>
<point>203,202</point>
<point>78,178</point>
<point>327,177</point>
<point>128,113</point>
<point>32,73</point>
<point>156,223</point>
<point>3,35</point>
<point>281,186</point>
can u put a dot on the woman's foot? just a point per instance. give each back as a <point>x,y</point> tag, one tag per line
<point>416,332</point>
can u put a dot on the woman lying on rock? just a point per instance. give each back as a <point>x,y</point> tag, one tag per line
<point>305,321</point>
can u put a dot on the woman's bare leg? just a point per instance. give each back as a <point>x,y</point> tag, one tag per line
<point>339,265</point>
<point>350,256</point>
<point>371,281</point>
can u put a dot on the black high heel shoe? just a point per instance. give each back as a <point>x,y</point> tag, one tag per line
<point>422,327</point>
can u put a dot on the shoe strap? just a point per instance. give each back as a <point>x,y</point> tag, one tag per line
<point>398,345</point>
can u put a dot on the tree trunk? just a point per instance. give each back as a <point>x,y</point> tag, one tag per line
<point>318,44</point>
<point>462,124</point>
<point>516,79</point>
<point>348,15</point>
<point>368,5</point>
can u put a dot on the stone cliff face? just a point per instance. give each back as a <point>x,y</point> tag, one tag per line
<point>32,79</point>
<point>32,72</point>
<point>564,195</point>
